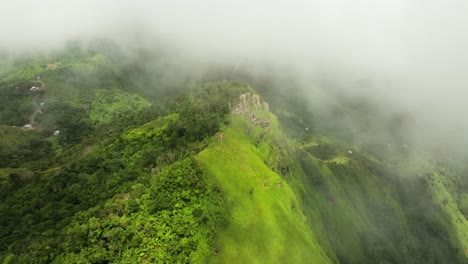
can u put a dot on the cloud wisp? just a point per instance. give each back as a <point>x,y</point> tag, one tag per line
<point>412,54</point>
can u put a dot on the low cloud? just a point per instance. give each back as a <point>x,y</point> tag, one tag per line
<point>411,55</point>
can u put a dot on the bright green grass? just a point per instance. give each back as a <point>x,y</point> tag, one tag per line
<point>266,223</point>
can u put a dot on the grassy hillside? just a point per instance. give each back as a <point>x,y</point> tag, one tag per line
<point>367,202</point>
<point>204,176</point>
<point>378,212</point>
<point>110,187</point>
<point>353,207</point>
<point>266,223</point>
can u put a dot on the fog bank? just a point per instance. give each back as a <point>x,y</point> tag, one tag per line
<point>411,55</point>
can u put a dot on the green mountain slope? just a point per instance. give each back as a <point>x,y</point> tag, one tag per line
<point>266,224</point>
<point>381,212</point>
<point>209,175</point>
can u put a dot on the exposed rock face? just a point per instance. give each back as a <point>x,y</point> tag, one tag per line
<point>249,102</point>
<point>248,105</point>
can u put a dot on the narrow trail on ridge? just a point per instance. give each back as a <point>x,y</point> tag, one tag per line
<point>37,107</point>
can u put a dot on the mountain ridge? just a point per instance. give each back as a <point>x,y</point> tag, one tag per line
<point>213,174</point>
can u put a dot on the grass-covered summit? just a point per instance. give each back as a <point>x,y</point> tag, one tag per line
<point>117,166</point>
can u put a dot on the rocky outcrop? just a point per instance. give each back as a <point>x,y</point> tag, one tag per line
<point>249,102</point>
<point>249,105</point>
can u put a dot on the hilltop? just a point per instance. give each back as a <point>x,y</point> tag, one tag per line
<point>211,172</point>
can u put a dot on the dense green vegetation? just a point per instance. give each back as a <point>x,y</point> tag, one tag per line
<point>141,172</point>
<point>72,195</point>
<point>267,224</point>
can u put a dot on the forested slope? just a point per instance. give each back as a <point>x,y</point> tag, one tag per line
<point>118,168</point>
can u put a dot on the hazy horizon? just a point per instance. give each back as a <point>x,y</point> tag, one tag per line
<point>410,54</point>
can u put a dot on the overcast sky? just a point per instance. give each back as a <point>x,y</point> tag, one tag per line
<point>414,52</point>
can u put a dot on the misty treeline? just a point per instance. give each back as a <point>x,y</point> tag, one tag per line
<point>120,179</point>
<point>113,185</point>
